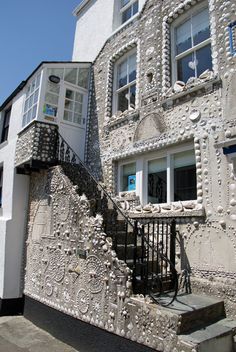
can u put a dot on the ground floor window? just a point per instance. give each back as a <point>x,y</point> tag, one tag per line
<point>166,178</point>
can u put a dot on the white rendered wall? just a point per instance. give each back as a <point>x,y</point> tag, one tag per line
<point>14,210</point>
<point>94,26</point>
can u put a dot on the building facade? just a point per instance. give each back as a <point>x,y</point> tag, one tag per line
<point>157,143</point>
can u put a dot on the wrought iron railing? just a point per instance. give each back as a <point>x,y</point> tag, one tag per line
<point>147,247</point>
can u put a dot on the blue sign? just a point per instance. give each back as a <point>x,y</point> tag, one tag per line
<point>131,183</point>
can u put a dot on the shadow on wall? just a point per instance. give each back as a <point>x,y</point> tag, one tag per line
<point>93,153</point>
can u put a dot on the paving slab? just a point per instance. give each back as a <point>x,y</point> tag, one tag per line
<point>18,334</point>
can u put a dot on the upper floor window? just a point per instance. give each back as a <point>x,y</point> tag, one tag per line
<point>128,8</point>
<point>192,46</point>
<point>31,102</point>
<point>125,83</point>
<point>5,125</point>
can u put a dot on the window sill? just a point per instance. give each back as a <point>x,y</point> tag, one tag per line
<point>122,118</point>
<point>189,90</point>
<point>173,210</point>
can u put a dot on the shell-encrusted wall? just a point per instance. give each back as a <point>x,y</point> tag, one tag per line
<point>168,115</point>
<point>71,267</point>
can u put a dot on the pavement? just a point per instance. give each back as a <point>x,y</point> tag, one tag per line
<point>18,334</point>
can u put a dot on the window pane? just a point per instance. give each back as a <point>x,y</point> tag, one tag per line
<point>135,7</point>
<point>126,15</point>
<point>52,87</point>
<point>70,94</point>
<point>132,67</point>
<point>70,75</point>
<point>26,105</point>
<point>77,118</point>
<point>83,77</point>
<point>36,95</point>
<point>124,2</point>
<point>68,116</point>
<point>122,74</point>
<point>69,105</point>
<point>157,181</point>
<point>129,177</point>
<point>185,183</point>
<point>30,101</point>
<point>186,68</point>
<point>51,98</point>
<point>123,100</point>
<point>204,59</point>
<point>79,97</point>
<point>183,37</point>
<point>200,27</point>
<point>78,108</point>
<point>184,158</point>
<point>34,111</point>
<point>33,84</point>
<point>38,80</point>
<point>56,72</point>
<point>132,96</point>
<point>185,176</point>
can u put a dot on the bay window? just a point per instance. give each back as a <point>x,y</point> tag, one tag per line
<point>125,83</point>
<point>191,45</point>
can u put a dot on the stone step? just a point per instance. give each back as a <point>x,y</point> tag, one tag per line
<point>194,311</point>
<point>215,337</point>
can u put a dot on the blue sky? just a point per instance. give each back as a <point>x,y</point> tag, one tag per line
<point>32,31</point>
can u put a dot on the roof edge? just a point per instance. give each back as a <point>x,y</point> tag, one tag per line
<point>80,7</point>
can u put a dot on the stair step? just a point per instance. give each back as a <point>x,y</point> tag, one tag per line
<point>212,338</point>
<point>196,311</point>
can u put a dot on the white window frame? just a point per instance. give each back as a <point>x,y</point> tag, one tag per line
<point>142,172</point>
<point>115,82</point>
<point>180,20</point>
<point>31,94</point>
<point>126,7</point>
<point>76,89</point>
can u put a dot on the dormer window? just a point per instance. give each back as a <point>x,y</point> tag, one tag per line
<point>128,8</point>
